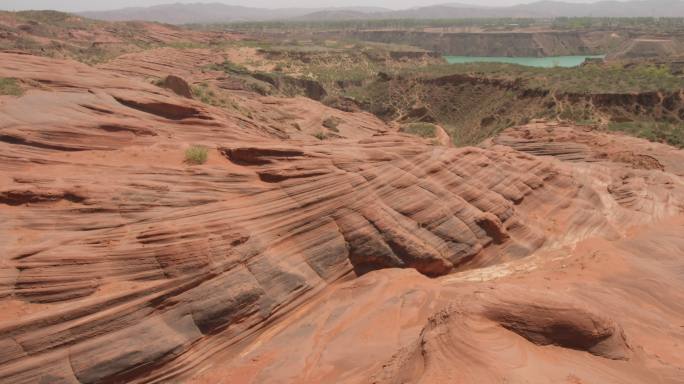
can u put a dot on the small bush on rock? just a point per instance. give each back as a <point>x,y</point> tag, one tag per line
<point>9,86</point>
<point>196,154</point>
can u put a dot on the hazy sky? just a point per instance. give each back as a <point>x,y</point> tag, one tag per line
<point>81,5</point>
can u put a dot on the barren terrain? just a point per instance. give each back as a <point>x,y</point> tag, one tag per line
<point>318,244</point>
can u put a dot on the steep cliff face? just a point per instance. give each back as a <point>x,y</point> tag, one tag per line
<point>660,106</point>
<point>332,56</point>
<point>658,46</point>
<point>484,44</point>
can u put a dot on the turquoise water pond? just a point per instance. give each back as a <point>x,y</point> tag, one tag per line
<point>541,62</point>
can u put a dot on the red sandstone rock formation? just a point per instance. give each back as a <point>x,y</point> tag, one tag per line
<point>549,255</point>
<point>176,84</point>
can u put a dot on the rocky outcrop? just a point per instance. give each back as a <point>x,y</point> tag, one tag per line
<point>293,86</point>
<point>179,86</point>
<point>121,263</point>
<point>568,143</point>
<point>544,319</point>
<point>59,34</point>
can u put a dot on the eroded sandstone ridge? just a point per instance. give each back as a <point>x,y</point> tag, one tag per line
<point>549,254</point>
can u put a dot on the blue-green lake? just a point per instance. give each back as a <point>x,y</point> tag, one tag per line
<point>541,62</point>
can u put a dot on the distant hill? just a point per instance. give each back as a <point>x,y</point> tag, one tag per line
<point>638,8</point>
<point>218,12</point>
<point>334,14</point>
<point>548,9</point>
<point>195,13</point>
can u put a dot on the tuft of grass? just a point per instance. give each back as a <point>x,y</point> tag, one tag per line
<point>425,130</point>
<point>321,136</point>
<point>196,154</point>
<point>203,93</point>
<point>10,86</point>
<point>208,95</point>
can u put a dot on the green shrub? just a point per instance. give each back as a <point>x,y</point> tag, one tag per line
<point>320,136</point>
<point>196,154</point>
<point>425,130</point>
<point>9,86</point>
<point>203,93</point>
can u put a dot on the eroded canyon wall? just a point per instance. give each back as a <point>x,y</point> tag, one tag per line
<point>536,44</point>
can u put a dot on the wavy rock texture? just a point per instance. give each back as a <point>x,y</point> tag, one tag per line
<point>540,257</point>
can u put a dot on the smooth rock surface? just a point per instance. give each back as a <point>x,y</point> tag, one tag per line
<point>371,256</point>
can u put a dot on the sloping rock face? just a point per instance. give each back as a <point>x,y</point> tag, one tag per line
<point>381,257</point>
<point>58,34</point>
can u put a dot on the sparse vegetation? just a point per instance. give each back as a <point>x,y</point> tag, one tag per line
<point>59,34</point>
<point>407,24</point>
<point>425,130</point>
<point>335,64</point>
<point>203,93</point>
<point>196,154</point>
<point>662,132</point>
<point>229,67</point>
<point>646,24</point>
<point>475,101</point>
<point>609,78</point>
<point>10,86</point>
<point>208,95</point>
<point>396,82</point>
<point>578,115</point>
<point>341,72</point>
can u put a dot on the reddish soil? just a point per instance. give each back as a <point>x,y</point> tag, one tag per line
<point>551,254</point>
